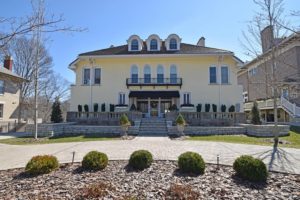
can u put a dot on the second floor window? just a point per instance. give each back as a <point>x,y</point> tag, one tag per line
<point>147,74</point>
<point>187,98</point>
<point>134,45</point>
<point>86,76</point>
<point>153,44</point>
<point>121,98</point>
<point>1,87</point>
<point>134,74</point>
<point>160,74</point>
<point>212,75</point>
<point>97,78</point>
<point>173,74</point>
<point>224,75</point>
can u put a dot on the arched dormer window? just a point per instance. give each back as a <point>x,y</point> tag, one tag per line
<point>173,44</point>
<point>134,74</point>
<point>173,74</point>
<point>134,45</point>
<point>147,74</point>
<point>160,74</point>
<point>153,44</point>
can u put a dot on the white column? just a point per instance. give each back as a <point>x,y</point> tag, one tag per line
<point>159,114</point>
<point>149,107</point>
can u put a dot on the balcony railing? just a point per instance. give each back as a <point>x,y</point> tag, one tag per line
<point>154,81</point>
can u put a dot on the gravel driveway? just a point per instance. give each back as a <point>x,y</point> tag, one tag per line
<point>162,148</point>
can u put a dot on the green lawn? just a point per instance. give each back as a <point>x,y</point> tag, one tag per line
<point>45,140</point>
<point>293,138</point>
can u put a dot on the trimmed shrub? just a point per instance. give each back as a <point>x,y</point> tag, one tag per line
<point>255,118</point>
<point>207,107</point>
<point>79,108</point>
<point>86,108</point>
<point>191,162</point>
<point>94,160</point>
<point>124,120</point>
<point>223,108</point>
<point>103,107</point>
<point>96,107</point>
<point>214,107</point>
<point>180,120</point>
<point>41,165</point>
<point>111,108</point>
<point>140,159</point>
<point>231,108</point>
<point>250,168</point>
<point>133,108</point>
<point>199,107</point>
<point>56,114</point>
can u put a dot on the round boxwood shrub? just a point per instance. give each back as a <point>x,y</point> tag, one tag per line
<point>140,159</point>
<point>250,168</point>
<point>41,164</point>
<point>191,162</point>
<point>94,160</point>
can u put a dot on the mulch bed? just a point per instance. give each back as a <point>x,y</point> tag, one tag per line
<point>117,181</point>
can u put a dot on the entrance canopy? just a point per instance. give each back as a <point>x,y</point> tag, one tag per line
<point>154,94</point>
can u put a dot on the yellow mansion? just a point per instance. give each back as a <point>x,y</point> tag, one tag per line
<point>154,76</point>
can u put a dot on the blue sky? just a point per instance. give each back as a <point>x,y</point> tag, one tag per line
<point>111,22</point>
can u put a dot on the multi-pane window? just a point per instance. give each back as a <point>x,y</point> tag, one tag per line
<point>153,44</point>
<point>86,76</point>
<point>173,44</point>
<point>134,74</point>
<point>224,75</point>
<point>97,76</point>
<point>187,98</point>
<point>173,74</point>
<point>134,45</point>
<point>147,74</point>
<point>212,75</point>
<point>160,74</point>
<point>285,92</point>
<point>121,98</point>
<point>253,71</point>
<point>1,87</point>
<point>1,110</point>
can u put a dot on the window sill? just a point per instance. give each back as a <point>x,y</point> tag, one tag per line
<point>219,84</point>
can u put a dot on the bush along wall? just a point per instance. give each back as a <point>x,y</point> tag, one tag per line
<point>214,107</point>
<point>231,108</point>
<point>207,107</point>
<point>95,107</point>
<point>295,129</point>
<point>86,108</point>
<point>79,108</point>
<point>199,107</point>
<point>103,107</point>
<point>223,108</point>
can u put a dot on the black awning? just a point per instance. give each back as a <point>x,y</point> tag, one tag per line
<point>154,94</point>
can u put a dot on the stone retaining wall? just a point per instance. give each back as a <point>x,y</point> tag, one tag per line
<point>70,129</point>
<point>265,130</point>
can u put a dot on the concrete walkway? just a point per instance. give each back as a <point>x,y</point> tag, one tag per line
<point>162,148</point>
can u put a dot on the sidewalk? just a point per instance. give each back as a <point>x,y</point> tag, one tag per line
<point>162,148</point>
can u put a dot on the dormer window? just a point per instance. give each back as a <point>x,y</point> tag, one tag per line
<point>134,45</point>
<point>173,44</point>
<point>153,44</point>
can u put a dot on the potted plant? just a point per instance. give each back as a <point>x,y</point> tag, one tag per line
<point>133,108</point>
<point>86,108</point>
<point>214,107</point>
<point>207,107</point>
<point>125,123</point>
<point>95,107</point>
<point>223,108</point>
<point>180,122</point>
<point>199,107</point>
<point>103,107</point>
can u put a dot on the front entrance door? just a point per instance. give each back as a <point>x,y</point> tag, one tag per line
<point>154,108</point>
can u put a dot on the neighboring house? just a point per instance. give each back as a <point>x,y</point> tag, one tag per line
<point>255,76</point>
<point>9,92</point>
<point>154,75</point>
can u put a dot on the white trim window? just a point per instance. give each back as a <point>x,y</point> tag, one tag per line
<point>252,72</point>
<point>187,98</point>
<point>1,110</point>
<point>285,92</point>
<point>97,76</point>
<point>121,99</point>
<point>160,74</point>
<point>213,75</point>
<point>173,44</point>
<point>153,45</point>
<point>224,75</point>
<point>2,87</point>
<point>173,74</point>
<point>86,76</point>
<point>147,74</point>
<point>134,45</point>
<point>134,74</point>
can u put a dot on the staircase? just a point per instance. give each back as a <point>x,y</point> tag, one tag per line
<point>290,107</point>
<point>153,127</point>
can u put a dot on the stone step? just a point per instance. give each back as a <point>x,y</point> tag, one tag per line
<point>152,133</point>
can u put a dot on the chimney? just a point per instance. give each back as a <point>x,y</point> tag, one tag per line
<point>267,38</point>
<point>8,63</point>
<point>201,42</point>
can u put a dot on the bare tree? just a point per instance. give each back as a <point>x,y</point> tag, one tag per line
<point>271,14</point>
